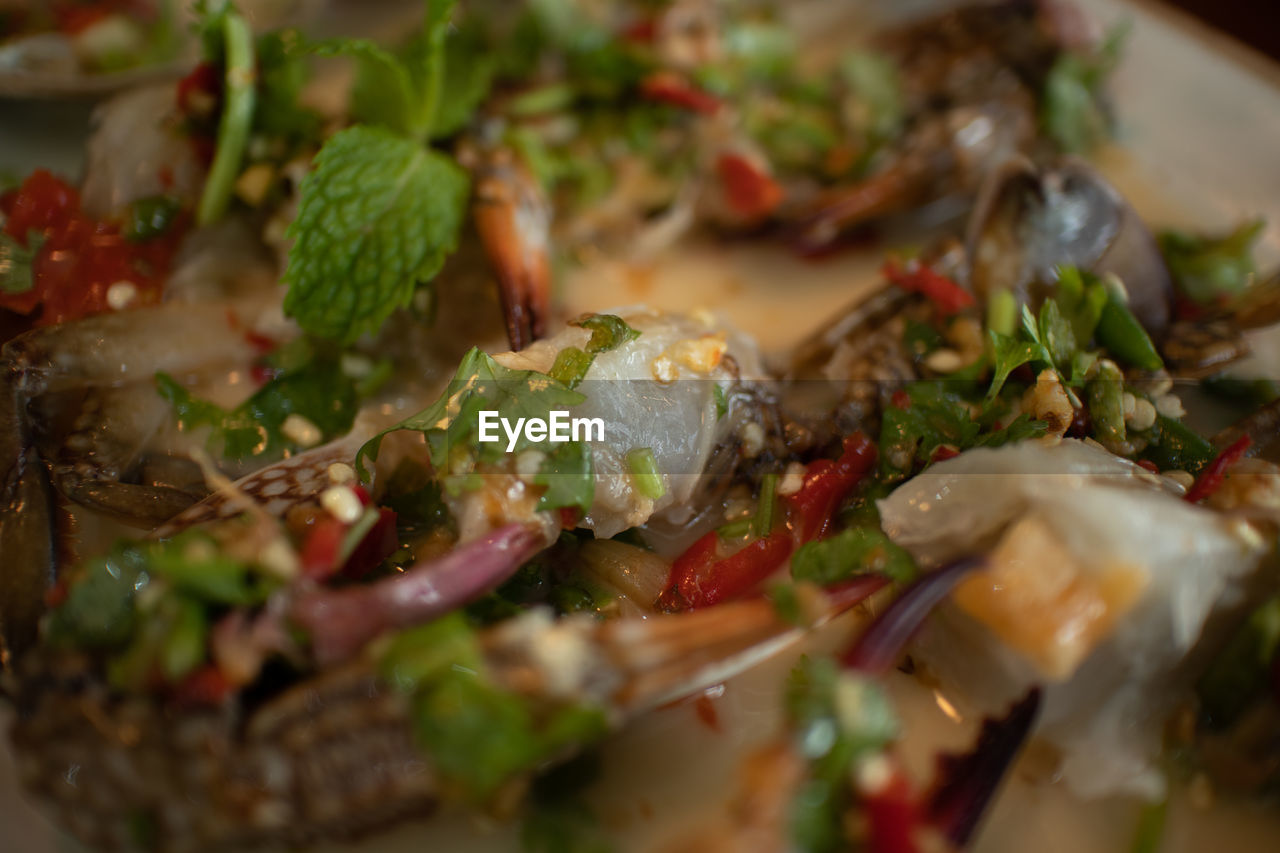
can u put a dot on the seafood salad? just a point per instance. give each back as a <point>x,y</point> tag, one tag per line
<point>360,484</point>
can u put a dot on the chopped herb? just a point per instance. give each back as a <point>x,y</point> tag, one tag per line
<point>607,332</point>
<point>1123,336</point>
<point>1149,832</point>
<point>1242,670</point>
<point>645,474</point>
<point>1010,353</point>
<point>16,273</point>
<point>1071,109</point>
<point>569,476</point>
<point>722,403</point>
<point>837,718</point>
<point>318,391</point>
<point>240,94</point>
<point>151,217</point>
<point>479,736</point>
<point>1105,393</point>
<point>1206,268</point>
<point>766,508</point>
<point>852,552</point>
<point>571,366</point>
<point>451,427</point>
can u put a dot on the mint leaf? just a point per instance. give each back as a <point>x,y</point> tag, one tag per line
<point>469,68</point>
<point>399,89</point>
<point>16,275</point>
<point>378,216</point>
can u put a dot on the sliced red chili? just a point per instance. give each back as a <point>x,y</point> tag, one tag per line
<point>749,188</point>
<point>79,259</point>
<point>944,452</point>
<point>916,277</point>
<point>700,579</point>
<point>205,687</point>
<point>670,88</point>
<point>1211,477</point>
<point>826,483</point>
<point>893,816</point>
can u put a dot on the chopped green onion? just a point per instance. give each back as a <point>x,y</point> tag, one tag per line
<point>571,366</point>
<point>763,521</point>
<point>1106,404</point>
<point>237,116</point>
<point>1123,336</point>
<point>150,217</point>
<point>1002,312</point>
<point>645,473</point>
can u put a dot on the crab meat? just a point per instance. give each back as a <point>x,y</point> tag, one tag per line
<point>1101,584</point>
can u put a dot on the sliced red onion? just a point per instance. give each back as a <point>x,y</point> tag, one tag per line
<point>967,782</point>
<point>881,645</point>
<point>341,621</point>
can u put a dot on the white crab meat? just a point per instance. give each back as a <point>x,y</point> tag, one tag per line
<point>1100,584</point>
<point>658,391</point>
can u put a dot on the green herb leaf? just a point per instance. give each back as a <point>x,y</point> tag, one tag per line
<point>16,274</point>
<point>1010,353</point>
<point>607,332</point>
<point>645,474</point>
<point>451,423</point>
<point>852,552</point>
<point>316,390</point>
<point>1240,672</point>
<point>378,216</point>
<point>569,475</point>
<point>469,69</point>
<point>240,94</point>
<point>1071,108</point>
<point>1205,268</point>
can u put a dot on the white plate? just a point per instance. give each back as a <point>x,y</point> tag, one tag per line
<point>1200,120</point>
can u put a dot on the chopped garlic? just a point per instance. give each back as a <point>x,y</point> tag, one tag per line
<point>792,480</point>
<point>121,295</point>
<point>342,503</point>
<point>752,435</point>
<point>301,431</point>
<point>341,472</point>
<point>279,559</point>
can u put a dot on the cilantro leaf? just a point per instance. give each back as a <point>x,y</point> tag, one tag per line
<point>318,391</point>
<point>569,476</point>
<point>378,216</point>
<point>934,417</point>
<point>451,424</point>
<point>16,275</point>
<point>1010,354</point>
<point>852,552</point>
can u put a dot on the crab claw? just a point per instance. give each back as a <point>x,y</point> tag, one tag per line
<point>513,218</point>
